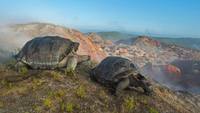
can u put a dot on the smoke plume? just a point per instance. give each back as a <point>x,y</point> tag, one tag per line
<point>185,78</point>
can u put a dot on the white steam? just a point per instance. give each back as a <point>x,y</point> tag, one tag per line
<point>10,42</point>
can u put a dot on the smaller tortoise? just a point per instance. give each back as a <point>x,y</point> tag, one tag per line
<point>50,52</point>
<point>119,73</point>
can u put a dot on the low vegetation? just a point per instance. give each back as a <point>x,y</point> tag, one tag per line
<point>69,107</point>
<point>129,103</point>
<point>23,71</point>
<point>153,110</point>
<point>81,91</point>
<point>70,73</point>
<point>48,102</point>
<point>54,92</point>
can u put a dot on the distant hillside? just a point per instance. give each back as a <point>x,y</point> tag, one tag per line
<point>114,35</point>
<point>193,43</point>
<point>126,38</point>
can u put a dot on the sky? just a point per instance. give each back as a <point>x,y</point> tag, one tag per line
<point>166,17</point>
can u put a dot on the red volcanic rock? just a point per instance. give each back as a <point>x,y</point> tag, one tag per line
<point>173,69</point>
<point>87,47</point>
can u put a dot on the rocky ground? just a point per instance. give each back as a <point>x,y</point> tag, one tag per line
<point>55,92</point>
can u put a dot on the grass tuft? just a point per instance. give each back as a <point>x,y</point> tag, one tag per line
<point>23,70</point>
<point>1,104</point>
<point>70,73</point>
<point>69,107</point>
<point>129,103</point>
<point>56,76</point>
<point>153,110</point>
<point>81,91</point>
<point>48,102</point>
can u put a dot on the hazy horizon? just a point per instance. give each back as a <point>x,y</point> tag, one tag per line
<point>178,18</point>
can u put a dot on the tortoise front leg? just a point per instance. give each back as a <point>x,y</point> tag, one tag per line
<point>124,83</point>
<point>71,65</point>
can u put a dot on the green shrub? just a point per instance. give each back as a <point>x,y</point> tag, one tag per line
<point>4,82</point>
<point>55,75</point>
<point>70,73</point>
<point>62,106</point>
<point>9,85</point>
<point>60,93</point>
<point>153,110</point>
<point>23,70</point>
<point>36,83</point>
<point>36,108</point>
<point>129,103</point>
<point>48,102</point>
<point>1,104</point>
<point>69,107</point>
<point>81,92</point>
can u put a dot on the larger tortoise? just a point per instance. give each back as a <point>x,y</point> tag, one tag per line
<point>50,52</point>
<point>119,73</point>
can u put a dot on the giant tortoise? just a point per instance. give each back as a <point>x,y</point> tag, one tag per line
<point>50,52</point>
<point>119,73</point>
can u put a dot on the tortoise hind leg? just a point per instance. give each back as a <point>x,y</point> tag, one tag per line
<point>19,65</point>
<point>124,83</point>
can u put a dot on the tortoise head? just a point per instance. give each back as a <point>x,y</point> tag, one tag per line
<point>75,46</point>
<point>140,81</point>
<point>147,87</point>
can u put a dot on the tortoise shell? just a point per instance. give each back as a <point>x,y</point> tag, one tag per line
<point>46,52</point>
<point>110,67</point>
